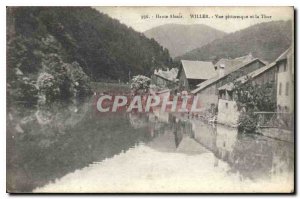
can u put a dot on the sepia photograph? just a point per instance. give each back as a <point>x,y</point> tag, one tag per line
<point>116,99</point>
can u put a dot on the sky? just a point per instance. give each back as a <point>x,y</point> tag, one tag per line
<point>132,16</point>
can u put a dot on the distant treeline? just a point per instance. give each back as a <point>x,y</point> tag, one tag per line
<point>265,41</point>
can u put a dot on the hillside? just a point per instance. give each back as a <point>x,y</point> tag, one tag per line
<point>103,47</point>
<point>180,39</point>
<point>265,40</point>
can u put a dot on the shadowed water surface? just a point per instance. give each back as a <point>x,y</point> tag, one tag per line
<point>45,144</point>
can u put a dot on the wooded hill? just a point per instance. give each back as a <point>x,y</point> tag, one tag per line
<point>103,47</point>
<point>265,41</point>
<point>180,39</point>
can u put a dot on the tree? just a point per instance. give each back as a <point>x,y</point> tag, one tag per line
<point>81,82</point>
<point>48,87</point>
<point>140,84</point>
<point>260,97</point>
<point>253,97</point>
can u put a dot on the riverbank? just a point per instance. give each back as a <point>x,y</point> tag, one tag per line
<point>111,88</point>
<point>279,134</point>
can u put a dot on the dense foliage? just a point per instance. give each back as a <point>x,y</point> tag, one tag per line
<point>36,72</point>
<point>261,97</point>
<point>254,97</point>
<point>265,41</point>
<point>54,52</point>
<point>140,84</point>
<point>105,48</point>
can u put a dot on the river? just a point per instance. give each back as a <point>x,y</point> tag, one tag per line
<point>69,147</point>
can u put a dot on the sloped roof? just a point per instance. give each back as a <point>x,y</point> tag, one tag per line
<point>169,74</point>
<point>245,78</point>
<point>229,63</point>
<point>284,55</point>
<point>216,78</point>
<point>198,69</point>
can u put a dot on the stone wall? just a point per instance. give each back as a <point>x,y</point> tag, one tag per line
<point>228,113</point>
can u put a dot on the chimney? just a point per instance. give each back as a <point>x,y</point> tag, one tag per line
<point>221,70</point>
<point>250,55</point>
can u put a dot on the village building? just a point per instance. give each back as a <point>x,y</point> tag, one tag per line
<point>228,112</point>
<point>207,91</point>
<point>285,86</point>
<point>227,64</point>
<point>191,73</point>
<point>165,79</point>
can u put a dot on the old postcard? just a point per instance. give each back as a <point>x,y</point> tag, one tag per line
<point>150,100</point>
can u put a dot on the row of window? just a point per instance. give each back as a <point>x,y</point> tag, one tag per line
<point>287,85</point>
<point>284,108</point>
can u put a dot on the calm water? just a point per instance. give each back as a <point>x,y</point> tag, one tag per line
<point>70,144</point>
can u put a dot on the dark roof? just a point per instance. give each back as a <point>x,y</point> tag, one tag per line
<point>216,78</point>
<point>230,86</point>
<point>284,55</point>
<point>229,63</point>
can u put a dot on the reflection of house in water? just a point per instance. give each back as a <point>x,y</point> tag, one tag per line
<point>174,136</point>
<point>190,146</point>
<point>283,159</point>
<point>220,139</point>
<point>204,134</point>
<point>159,115</point>
<point>164,141</point>
<point>226,138</point>
<point>138,120</point>
<point>248,156</point>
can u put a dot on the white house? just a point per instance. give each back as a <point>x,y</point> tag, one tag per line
<point>286,81</point>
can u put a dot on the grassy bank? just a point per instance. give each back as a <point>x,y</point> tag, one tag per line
<point>112,88</point>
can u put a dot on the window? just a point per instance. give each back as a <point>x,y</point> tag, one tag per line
<point>284,66</point>
<point>279,108</point>
<point>287,89</point>
<point>279,89</point>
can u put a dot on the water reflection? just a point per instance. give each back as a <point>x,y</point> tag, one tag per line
<point>251,156</point>
<point>47,143</point>
<point>59,139</point>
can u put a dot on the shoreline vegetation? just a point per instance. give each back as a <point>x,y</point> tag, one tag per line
<point>53,54</point>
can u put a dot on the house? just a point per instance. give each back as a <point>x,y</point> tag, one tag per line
<point>207,91</point>
<point>228,112</point>
<point>165,79</point>
<point>192,73</point>
<point>229,63</point>
<point>286,81</point>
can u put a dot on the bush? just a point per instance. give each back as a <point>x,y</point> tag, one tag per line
<point>248,122</point>
<point>48,87</point>
<point>81,82</point>
<point>140,83</point>
<point>25,93</point>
